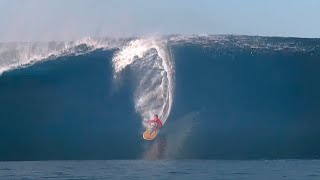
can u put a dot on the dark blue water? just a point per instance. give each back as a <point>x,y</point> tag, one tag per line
<point>242,98</point>
<point>141,169</point>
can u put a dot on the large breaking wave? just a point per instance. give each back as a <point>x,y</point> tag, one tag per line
<point>220,97</point>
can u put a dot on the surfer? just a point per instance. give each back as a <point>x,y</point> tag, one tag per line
<point>157,121</point>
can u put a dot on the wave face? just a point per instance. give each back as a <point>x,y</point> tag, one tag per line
<point>220,97</point>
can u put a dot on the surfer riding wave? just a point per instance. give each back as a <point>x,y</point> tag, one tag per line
<point>155,123</point>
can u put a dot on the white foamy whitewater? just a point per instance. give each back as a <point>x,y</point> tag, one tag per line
<point>152,69</point>
<point>24,54</point>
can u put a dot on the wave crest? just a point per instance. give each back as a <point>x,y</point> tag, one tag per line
<point>23,54</point>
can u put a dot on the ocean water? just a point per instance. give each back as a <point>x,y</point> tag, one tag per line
<point>162,169</point>
<point>220,98</point>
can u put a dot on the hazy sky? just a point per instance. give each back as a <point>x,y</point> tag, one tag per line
<point>22,20</point>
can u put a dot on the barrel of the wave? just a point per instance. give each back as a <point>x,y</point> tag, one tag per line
<point>153,127</point>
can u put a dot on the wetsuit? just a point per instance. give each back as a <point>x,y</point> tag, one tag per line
<point>158,124</point>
